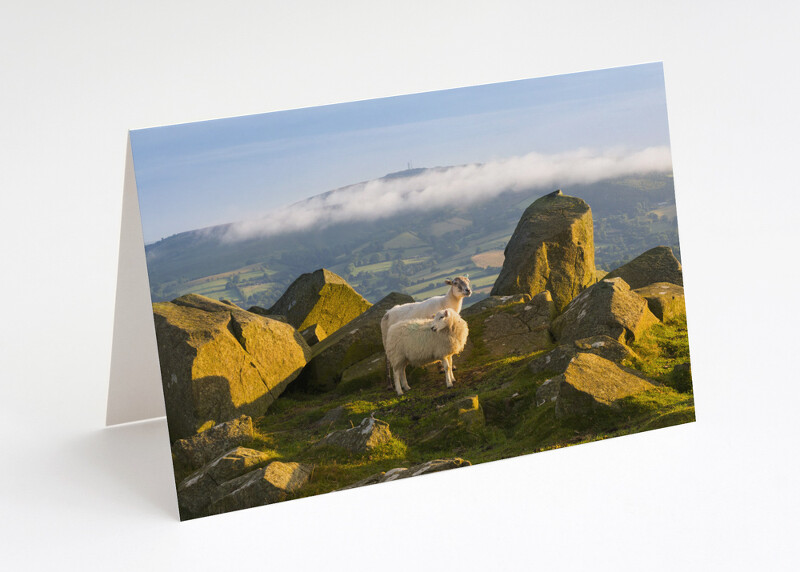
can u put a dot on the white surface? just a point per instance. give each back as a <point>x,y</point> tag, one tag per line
<point>718,494</point>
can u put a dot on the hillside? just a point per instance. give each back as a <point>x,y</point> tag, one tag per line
<point>410,253</point>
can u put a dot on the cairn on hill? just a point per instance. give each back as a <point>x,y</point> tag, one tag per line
<point>552,249</point>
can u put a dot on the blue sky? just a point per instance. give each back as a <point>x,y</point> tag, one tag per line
<point>200,174</point>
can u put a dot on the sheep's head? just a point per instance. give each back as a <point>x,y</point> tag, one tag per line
<point>460,286</point>
<point>441,321</point>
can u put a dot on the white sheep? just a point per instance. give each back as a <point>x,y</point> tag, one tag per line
<point>453,299</point>
<point>419,342</point>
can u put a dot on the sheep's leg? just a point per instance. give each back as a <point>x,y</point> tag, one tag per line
<point>397,384</point>
<point>389,383</point>
<point>448,371</point>
<point>441,366</point>
<point>403,380</point>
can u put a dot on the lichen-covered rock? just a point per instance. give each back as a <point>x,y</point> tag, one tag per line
<point>403,473</point>
<point>493,302</point>
<point>367,435</point>
<point>267,485</point>
<point>469,412</point>
<point>558,359</point>
<point>359,340</point>
<point>201,488</point>
<point>589,383</point>
<point>552,249</point>
<point>320,298</point>
<point>219,361</point>
<point>331,417</point>
<point>371,369</point>
<point>608,308</point>
<point>195,451</point>
<point>314,334</point>
<point>664,299</point>
<point>656,265</point>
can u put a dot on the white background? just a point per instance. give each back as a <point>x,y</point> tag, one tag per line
<point>721,493</point>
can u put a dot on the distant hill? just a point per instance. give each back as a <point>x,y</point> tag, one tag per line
<point>411,252</point>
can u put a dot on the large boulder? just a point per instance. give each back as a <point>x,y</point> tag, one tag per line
<point>219,361</point>
<point>656,265</point>
<point>267,485</point>
<point>558,359</point>
<point>367,435</point>
<point>195,451</point>
<point>589,383</point>
<point>202,487</point>
<point>608,308</point>
<point>321,299</point>
<point>348,346</point>
<point>403,473</point>
<point>664,299</point>
<point>552,249</point>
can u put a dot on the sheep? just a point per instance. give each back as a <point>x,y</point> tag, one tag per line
<point>418,342</point>
<point>459,289</point>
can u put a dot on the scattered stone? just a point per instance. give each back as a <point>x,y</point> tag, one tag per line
<point>194,452</point>
<point>263,486</point>
<point>348,346</point>
<point>367,435</point>
<point>320,298</point>
<point>589,383</point>
<point>470,413</point>
<point>607,308</point>
<point>202,488</point>
<point>403,473</point>
<point>219,362</point>
<point>552,249</point>
<point>665,300</point>
<point>656,265</point>
<point>313,334</point>
<point>332,416</point>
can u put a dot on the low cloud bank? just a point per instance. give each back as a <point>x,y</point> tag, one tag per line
<point>440,188</point>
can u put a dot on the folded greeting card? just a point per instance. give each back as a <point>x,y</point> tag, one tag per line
<point>365,292</point>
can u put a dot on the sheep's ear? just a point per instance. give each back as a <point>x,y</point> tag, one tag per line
<point>448,282</point>
<point>446,313</point>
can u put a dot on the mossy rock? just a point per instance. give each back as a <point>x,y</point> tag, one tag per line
<point>656,265</point>
<point>665,300</point>
<point>552,248</point>
<point>219,361</point>
<point>320,298</point>
<point>558,359</point>
<point>359,340</point>
<point>267,485</point>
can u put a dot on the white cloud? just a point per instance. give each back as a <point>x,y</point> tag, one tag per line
<point>439,188</point>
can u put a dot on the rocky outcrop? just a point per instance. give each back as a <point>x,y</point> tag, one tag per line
<point>219,361</point>
<point>322,299</point>
<point>510,325</point>
<point>203,487</point>
<point>664,299</point>
<point>403,473</point>
<point>348,346</point>
<point>558,359</point>
<point>656,265</point>
<point>367,435</point>
<point>313,334</point>
<point>270,484</point>
<point>608,308</point>
<point>195,451</point>
<point>552,249</point>
<point>589,383</point>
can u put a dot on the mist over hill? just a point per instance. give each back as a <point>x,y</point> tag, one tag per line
<point>411,251</point>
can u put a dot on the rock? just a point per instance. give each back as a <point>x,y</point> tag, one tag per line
<point>470,413</point>
<point>552,249</point>
<point>365,372</point>
<point>493,302</point>
<point>219,362</point>
<point>656,265</point>
<point>330,417</point>
<point>512,325</point>
<point>589,383</point>
<point>348,346</point>
<point>403,473</point>
<point>664,299</point>
<point>558,359</point>
<point>313,334</point>
<point>194,452</point>
<point>267,485</point>
<point>320,298</point>
<point>367,435</point>
<point>264,312</point>
<point>608,308</point>
<point>202,488</point>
